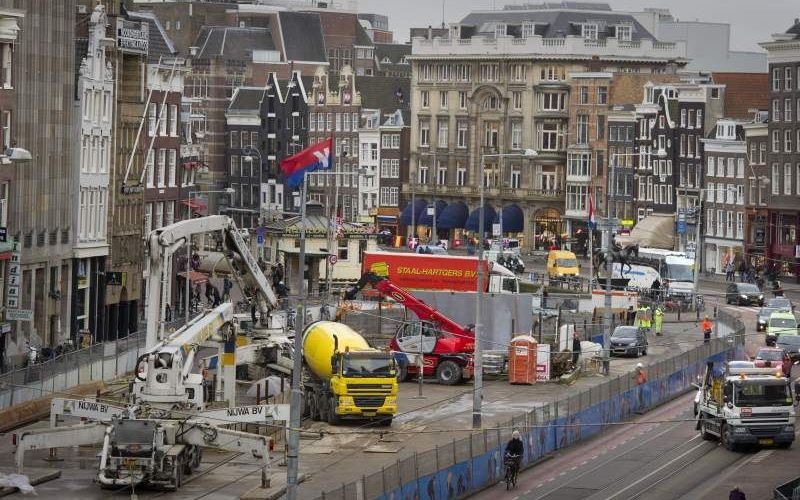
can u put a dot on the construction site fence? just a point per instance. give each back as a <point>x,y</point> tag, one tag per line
<point>465,465</point>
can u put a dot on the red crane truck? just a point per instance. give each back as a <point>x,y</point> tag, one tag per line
<point>447,347</point>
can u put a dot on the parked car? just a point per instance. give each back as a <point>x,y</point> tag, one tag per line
<point>431,250</point>
<point>790,344</point>
<point>628,341</point>
<point>762,318</point>
<point>744,294</point>
<point>781,303</point>
<point>780,323</point>
<point>768,357</point>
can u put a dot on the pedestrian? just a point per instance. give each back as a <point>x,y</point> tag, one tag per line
<point>576,348</point>
<point>209,291</point>
<point>641,374</point>
<point>658,320</point>
<point>647,317</point>
<point>196,297</point>
<point>217,300</point>
<point>195,262</point>
<point>226,289</point>
<point>631,317</point>
<point>737,494</point>
<point>253,311</point>
<point>168,313</point>
<point>707,326</point>
<point>729,271</point>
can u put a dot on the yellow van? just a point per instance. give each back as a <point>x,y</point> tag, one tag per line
<point>562,264</point>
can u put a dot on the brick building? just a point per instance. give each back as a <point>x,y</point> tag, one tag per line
<point>757,193</point>
<point>784,152</point>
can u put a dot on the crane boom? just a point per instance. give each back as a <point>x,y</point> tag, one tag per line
<point>423,311</point>
<point>164,242</point>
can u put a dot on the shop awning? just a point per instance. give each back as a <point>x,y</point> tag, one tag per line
<point>426,219</point>
<point>454,216</point>
<point>489,216</point>
<point>195,277</point>
<point>513,219</point>
<point>5,250</point>
<point>419,208</point>
<point>654,231</point>
<point>194,203</point>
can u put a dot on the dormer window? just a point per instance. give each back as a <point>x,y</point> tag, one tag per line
<point>672,94</point>
<point>624,33</point>
<point>650,95</point>
<point>528,30</point>
<point>589,31</point>
<point>499,29</point>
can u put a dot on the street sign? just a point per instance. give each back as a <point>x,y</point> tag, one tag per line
<point>19,315</point>
<point>431,210</point>
<point>496,230</point>
<point>681,222</point>
<point>332,259</point>
<point>260,239</point>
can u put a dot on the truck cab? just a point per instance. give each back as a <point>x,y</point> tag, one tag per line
<point>746,407</point>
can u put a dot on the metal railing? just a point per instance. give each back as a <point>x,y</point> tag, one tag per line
<point>462,466</point>
<point>98,362</point>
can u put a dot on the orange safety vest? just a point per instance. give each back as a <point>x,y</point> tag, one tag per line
<point>706,325</point>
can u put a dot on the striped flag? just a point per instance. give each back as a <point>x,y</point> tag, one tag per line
<point>592,223</point>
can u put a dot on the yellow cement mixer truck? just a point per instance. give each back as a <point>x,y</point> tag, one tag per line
<point>344,378</point>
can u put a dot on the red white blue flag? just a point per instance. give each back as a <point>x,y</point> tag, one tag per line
<point>318,156</point>
<point>592,223</point>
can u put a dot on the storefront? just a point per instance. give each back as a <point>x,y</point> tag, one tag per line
<point>756,239</point>
<point>547,227</point>
<point>783,249</point>
<point>719,252</point>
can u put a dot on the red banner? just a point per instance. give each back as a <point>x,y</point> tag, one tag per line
<point>425,272</point>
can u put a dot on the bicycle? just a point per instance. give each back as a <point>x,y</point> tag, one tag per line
<point>512,470</point>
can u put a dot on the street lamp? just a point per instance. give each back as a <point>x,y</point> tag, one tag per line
<point>435,168</point>
<point>477,393</point>
<point>249,153</point>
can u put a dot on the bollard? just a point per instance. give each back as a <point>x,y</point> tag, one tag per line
<point>679,313</point>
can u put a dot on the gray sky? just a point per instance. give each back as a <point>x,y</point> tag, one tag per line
<point>751,21</point>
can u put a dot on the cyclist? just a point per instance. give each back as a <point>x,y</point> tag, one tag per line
<point>514,450</point>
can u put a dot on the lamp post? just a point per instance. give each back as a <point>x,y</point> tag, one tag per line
<point>477,393</point>
<point>189,245</point>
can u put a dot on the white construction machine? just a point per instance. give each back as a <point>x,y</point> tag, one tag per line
<point>157,438</point>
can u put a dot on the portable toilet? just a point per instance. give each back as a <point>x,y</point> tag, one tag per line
<point>522,360</point>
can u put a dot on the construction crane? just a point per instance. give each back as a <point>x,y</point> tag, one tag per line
<point>447,346</point>
<point>164,242</point>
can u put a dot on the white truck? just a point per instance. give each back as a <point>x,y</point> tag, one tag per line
<point>156,439</point>
<point>675,270</point>
<point>744,406</point>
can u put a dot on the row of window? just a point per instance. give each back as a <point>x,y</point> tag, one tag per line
<point>649,190</point>
<point>324,122</point>
<point>245,195</point>
<point>95,155</point>
<point>164,117</point>
<point>690,118</point>
<point>243,139</point>
<point>789,188</point>
<point>732,194</point>
<point>244,166</point>
<point>725,167</point>
<point>92,217</point>
<point>161,167</point>
<point>389,196</point>
<point>96,106</point>
<point>789,138</point>
<point>786,116</point>
<point>720,223</point>
<point>782,78</point>
<point>489,72</point>
<point>621,133</point>
<point>158,214</point>
<point>601,95</point>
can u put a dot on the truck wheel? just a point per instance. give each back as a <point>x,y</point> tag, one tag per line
<point>333,418</point>
<point>703,433</point>
<point>725,438</point>
<point>448,373</point>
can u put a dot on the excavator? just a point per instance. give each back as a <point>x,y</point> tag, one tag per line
<point>158,437</point>
<point>446,346</point>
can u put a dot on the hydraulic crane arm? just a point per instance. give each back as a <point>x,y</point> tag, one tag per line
<point>423,311</point>
<point>165,241</point>
<point>60,437</point>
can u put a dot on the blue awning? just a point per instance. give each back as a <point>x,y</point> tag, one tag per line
<point>427,220</point>
<point>489,216</point>
<point>454,216</point>
<point>513,219</point>
<point>419,208</point>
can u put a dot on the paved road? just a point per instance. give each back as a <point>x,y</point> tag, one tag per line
<point>657,456</point>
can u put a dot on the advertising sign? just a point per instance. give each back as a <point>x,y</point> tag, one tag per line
<point>425,272</point>
<point>14,283</point>
<point>132,36</point>
<point>542,362</point>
